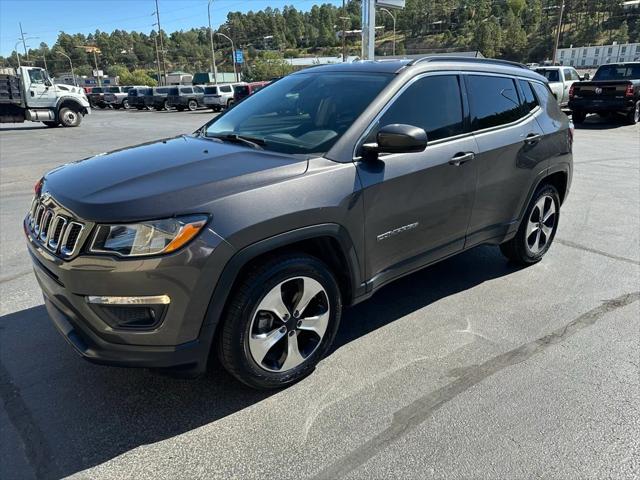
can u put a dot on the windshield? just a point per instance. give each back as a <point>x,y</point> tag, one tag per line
<point>303,113</point>
<point>618,72</point>
<point>551,75</point>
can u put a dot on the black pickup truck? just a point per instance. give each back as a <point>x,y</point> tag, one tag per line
<point>615,88</point>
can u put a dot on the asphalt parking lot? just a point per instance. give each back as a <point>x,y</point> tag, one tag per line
<point>471,368</point>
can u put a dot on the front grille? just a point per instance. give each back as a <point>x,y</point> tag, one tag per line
<point>54,228</point>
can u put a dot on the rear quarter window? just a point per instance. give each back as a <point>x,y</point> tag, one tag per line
<point>529,101</point>
<point>493,101</point>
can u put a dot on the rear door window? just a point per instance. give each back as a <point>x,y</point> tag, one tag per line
<point>432,103</point>
<point>493,101</point>
<point>529,102</point>
<point>186,90</point>
<point>226,89</point>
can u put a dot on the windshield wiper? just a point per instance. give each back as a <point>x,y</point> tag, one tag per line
<point>253,142</point>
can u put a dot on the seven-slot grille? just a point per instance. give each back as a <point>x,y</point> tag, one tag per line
<point>57,232</point>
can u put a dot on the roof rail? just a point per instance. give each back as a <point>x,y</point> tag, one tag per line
<point>454,58</point>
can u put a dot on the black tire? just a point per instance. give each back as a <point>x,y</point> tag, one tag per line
<point>116,107</point>
<point>518,249</point>
<point>192,105</point>
<point>578,117</point>
<point>125,104</point>
<point>633,116</point>
<point>51,124</point>
<point>165,106</point>
<point>229,104</point>
<point>138,107</point>
<point>69,117</point>
<point>180,109</point>
<point>233,349</point>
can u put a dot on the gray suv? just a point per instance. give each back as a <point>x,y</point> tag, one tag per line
<point>247,238</point>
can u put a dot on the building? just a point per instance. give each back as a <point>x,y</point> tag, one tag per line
<point>594,56</point>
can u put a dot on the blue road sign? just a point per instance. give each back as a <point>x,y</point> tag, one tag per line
<point>239,56</point>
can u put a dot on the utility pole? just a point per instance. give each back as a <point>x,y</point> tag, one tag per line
<point>213,52</point>
<point>344,40</point>
<point>155,40</point>
<point>17,53</point>
<point>368,29</point>
<point>555,48</point>
<point>164,65</point>
<point>26,54</point>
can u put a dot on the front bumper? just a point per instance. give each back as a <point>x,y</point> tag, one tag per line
<point>602,104</point>
<point>182,339</point>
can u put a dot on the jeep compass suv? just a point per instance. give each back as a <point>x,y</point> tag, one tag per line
<point>247,238</point>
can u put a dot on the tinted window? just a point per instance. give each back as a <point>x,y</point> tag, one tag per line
<point>618,72</point>
<point>114,89</point>
<point>242,90</point>
<point>529,101</point>
<point>198,89</point>
<point>493,101</point>
<point>303,113</point>
<point>97,90</point>
<point>186,90</point>
<point>210,90</point>
<point>550,74</point>
<point>172,91</point>
<point>165,90</point>
<point>225,88</point>
<point>431,103</point>
<point>542,92</point>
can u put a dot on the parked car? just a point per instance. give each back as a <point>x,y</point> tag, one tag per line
<point>247,238</point>
<point>159,99</point>
<point>117,97</point>
<point>182,98</point>
<point>560,81</point>
<point>615,88</point>
<point>219,96</point>
<point>141,98</point>
<point>243,91</point>
<point>96,97</point>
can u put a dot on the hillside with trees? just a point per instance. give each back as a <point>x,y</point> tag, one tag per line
<point>521,30</point>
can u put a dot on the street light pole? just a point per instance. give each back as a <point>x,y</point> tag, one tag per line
<point>70,64</point>
<point>393,17</point>
<point>233,55</point>
<point>164,65</point>
<point>213,52</point>
<point>368,29</point>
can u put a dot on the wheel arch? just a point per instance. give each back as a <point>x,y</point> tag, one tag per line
<point>329,242</point>
<point>69,102</point>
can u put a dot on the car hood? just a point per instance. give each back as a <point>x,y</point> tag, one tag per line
<point>164,178</point>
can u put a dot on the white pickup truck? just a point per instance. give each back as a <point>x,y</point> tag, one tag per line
<point>28,94</point>
<point>560,81</point>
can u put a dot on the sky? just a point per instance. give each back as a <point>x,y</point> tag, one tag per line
<point>46,18</point>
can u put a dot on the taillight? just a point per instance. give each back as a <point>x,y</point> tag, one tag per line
<point>629,91</point>
<point>571,90</point>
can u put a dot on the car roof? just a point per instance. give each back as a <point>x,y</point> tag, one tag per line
<point>431,63</point>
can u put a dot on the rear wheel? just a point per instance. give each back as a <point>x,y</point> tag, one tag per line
<point>633,116</point>
<point>69,117</point>
<point>192,105</point>
<point>230,104</point>
<point>537,228</point>
<point>578,116</point>
<point>280,322</point>
<point>125,104</point>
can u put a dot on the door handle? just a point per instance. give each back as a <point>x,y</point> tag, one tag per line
<point>533,138</point>
<point>460,158</point>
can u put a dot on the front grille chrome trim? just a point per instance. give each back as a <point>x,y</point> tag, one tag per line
<point>150,300</point>
<point>54,239</point>
<point>67,250</point>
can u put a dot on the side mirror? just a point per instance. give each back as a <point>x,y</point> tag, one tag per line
<point>586,77</point>
<point>397,138</point>
<point>48,83</point>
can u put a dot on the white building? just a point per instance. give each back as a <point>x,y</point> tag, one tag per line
<point>594,56</point>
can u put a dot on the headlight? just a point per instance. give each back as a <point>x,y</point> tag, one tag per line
<point>147,238</point>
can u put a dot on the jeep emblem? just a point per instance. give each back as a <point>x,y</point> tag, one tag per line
<point>598,90</point>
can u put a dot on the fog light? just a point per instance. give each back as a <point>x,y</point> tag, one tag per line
<point>130,313</point>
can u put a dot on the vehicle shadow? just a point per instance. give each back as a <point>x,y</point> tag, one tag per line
<point>33,127</point>
<point>71,415</point>
<point>596,122</point>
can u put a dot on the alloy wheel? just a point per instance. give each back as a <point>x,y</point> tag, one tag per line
<point>541,223</point>
<point>289,324</point>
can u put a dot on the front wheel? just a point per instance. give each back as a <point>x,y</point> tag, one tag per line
<point>192,105</point>
<point>125,104</point>
<point>69,118</point>
<point>633,116</point>
<point>281,321</point>
<point>537,228</point>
